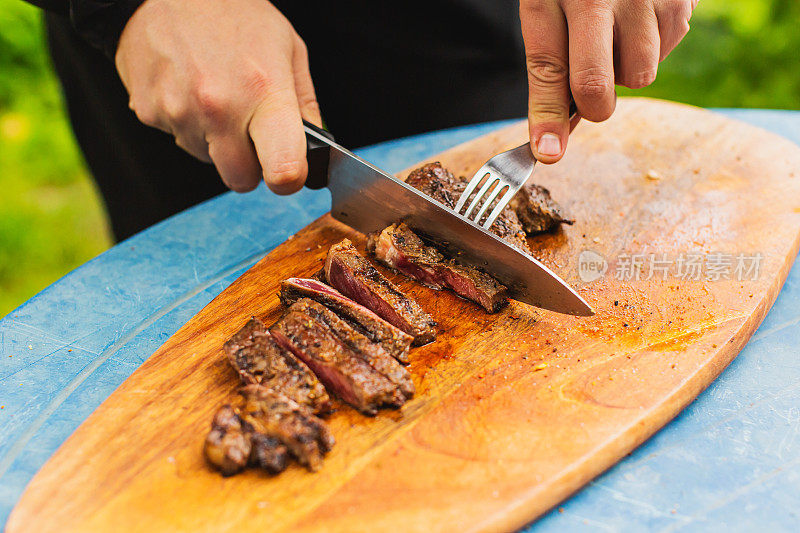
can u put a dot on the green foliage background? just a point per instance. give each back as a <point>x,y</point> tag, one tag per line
<point>739,53</point>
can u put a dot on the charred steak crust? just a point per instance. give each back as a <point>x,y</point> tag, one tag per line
<point>536,210</point>
<point>441,185</point>
<point>396,342</point>
<point>260,360</point>
<point>355,277</point>
<point>334,361</point>
<point>401,249</point>
<point>437,182</point>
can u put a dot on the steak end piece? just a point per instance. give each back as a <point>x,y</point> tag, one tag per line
<point>264,429</point>
<point>278,419</point>
<point>441,185</point>
<point>396,342</point>
<point>537,211</point>
<point>260,360</point>
<point>228,444</point>
<point>305,332</point>
<point>269,453</point>
<point>355,277</point>
<point>401,249</point>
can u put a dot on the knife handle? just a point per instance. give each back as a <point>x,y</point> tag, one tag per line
<point>318,155</point>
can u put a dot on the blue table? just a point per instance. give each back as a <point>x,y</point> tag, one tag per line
<point>731,460</point>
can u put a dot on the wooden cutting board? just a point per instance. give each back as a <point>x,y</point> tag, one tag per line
<point>514,411</point>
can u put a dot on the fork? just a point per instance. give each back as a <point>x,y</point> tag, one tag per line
<point>505,174</point>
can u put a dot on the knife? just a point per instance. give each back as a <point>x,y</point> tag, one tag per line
<point>368,199</point>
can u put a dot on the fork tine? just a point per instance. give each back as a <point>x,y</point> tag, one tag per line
<point>490,180</point>
<point>501,204</point>
<point>502,186</point>
<point>476,179</point>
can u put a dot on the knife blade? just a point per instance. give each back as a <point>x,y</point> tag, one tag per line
<point>368,199</point>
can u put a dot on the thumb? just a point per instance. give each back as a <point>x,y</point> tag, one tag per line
<point>544,29</point>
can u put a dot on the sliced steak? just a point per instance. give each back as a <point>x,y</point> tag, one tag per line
<point>264,429</point>
<point>395,341</point>
<point>260,360</point>
<point>232,444</point>
<point>401,249</point>
<point>536,210</point>
<point>357,279</point>
<point>366,350</point>
<point>334,362</point>
<point>281,419</point>
<point>440,184</point>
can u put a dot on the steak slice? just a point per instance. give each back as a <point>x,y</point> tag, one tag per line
<point>281,419</point>
<point>335,362</point>
<point>366,350</point>
<point>401,249</point>
<point>440,184</point>
<point>357,279</point>
<point>395,341</point>
<point>260,360</point>
<point>536,210</point>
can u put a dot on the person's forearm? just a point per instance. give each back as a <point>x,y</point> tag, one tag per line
<point>99,22</point>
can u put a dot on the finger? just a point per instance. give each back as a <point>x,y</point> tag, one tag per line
<point>638,46</point>
<point>673,23</point>
<point>545,33</point>
<point>591,58</point>
<point>306,96</point>
<point>235,158</point>
<point>276,130</point>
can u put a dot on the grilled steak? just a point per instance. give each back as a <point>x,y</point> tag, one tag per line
<point>536,210</point>
<point>283,420</point>
<point>269,453</point>
<point>396,342</point>
<point>399,248</point>
<point>264,429</point>
<point>260,360</point>
<point>366,350</point>
<point>229,444</point>
<point>440,184</point>
<point>357,279</point>
<point>334,360</point>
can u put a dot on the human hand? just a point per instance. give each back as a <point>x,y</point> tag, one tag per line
<point>584,47</point>
<point>229,80</point>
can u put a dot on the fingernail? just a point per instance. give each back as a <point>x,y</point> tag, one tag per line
<point>549,144</point>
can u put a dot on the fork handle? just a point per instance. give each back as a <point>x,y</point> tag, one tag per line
<point>318,154</point>
<point>573,108</point>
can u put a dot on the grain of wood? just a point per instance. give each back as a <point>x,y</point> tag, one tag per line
<point>514,411</point>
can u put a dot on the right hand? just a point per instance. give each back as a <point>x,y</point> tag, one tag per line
<point>229,80</point>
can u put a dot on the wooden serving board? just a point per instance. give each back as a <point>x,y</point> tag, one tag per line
<point>514,411</point>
